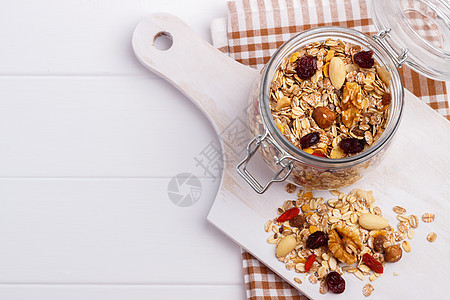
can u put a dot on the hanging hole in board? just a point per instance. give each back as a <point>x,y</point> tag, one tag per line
<point>163,41</point>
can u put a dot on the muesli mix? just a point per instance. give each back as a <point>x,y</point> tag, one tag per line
<point>348,233</point>
<point>331,99</point>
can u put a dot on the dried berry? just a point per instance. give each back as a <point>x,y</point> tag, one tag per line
<point>297,221</point>
<point>352,145</point>
<point>335,282</point>
<point>323,116</point>
<point>393,253</point>
<point>320,154</point>
<point>289,214</point>
<point>317,239</point>
<point>309,262</point>
<point>378,243</point>
<point>309,139</point>
<point>372,263</point>
<point>306,67</point>
<point>364,59</point>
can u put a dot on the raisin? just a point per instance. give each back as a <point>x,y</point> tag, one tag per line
<point>306,67</point>
<point>378,243</point>
<point>309,140</point>
<point>317,239</point>
<point>352,145</point>
<point>364,59</point>
<point>335,282</point>
<point>297,221</point>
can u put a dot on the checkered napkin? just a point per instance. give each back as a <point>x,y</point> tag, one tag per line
<point>252,32</point>
<point>254,29</point>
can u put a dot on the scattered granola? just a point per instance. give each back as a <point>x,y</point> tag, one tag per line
<point>329,236</point>
<point>367,290</point>
<point>406,246</point>
<point>290,188</point>
<point>431,237</point>
<point>428,217</point>
<point>331,99</point>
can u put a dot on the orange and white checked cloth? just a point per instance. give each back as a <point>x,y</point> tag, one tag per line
<point>252,32</point>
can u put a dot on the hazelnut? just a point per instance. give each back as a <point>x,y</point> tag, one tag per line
<point>393,253</point>
<point>323,116</point>
<point>378,243</point>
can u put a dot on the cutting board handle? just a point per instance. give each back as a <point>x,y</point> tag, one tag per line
<point>216,83</point>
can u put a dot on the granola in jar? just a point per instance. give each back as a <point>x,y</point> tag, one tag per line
<point>331,99</point>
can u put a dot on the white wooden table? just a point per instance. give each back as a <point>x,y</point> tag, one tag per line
<point>89,141</point>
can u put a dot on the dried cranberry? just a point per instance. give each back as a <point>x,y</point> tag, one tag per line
<point>364,59</point>
<point>306,67</point>
<point>309,139</point>
<point>297,221</point>
<point>352,145</point>
<point>335,282</point>
<point>317,239</point>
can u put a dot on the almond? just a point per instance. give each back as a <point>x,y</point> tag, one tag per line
<point>337,72</point>
<point>286,245</point>
<point>384,75</point>
<point>371,222</point>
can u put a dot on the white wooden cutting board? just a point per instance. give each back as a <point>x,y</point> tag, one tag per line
<point>414,174</point>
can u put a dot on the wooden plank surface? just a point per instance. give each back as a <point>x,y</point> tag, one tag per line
<point>89,143</point>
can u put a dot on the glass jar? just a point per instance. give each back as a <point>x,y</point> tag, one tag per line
<point>291,163</point>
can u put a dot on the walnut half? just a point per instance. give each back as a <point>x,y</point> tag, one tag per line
<point>344,243</point>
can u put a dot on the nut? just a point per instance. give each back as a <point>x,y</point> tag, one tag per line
<point>384,75</point>
<point>286,245</point>
<point>339,247</point>
<point>371,221</point>
<point>393,253</point>
<point>323,116</point>
<point>337,72</point>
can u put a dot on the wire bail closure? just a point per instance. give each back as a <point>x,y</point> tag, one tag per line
<point>284,162</point>
<point>399,59</point>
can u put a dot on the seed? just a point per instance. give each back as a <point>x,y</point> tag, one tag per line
<point>367,290</point>
<point>428,217</point>
<point>290,188</point>
<point>406,246</point>
<point>395,274</point>
<point>431,237</point>
<point>399,210</point>
<point>268,226</point>
<point>297,280</point>
<point>411,233</point>
<point>414,221</point>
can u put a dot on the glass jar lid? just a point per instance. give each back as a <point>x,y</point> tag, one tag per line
<point>421,27</point>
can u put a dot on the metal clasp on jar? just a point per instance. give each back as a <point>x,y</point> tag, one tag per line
<point>399,58</point>
<point>283,161</point>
